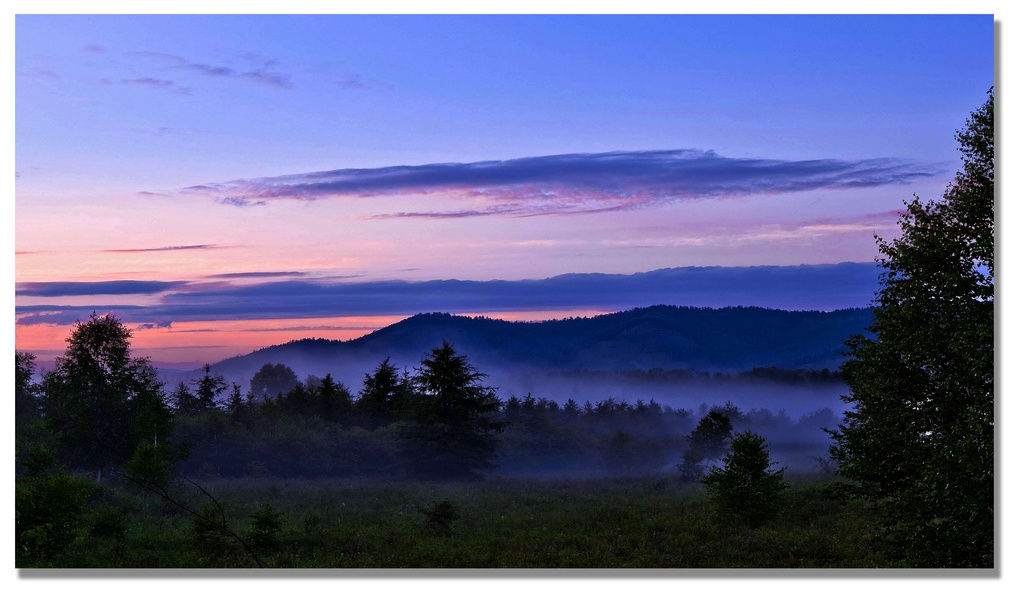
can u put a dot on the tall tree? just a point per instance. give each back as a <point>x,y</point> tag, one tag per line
<point>385,395</point>
<point>209,388</point>
<point>919,437</point>
<point>26,399</point>
<point>453,433</point>
<point>101,401</point>
<point>184,402</point>
<point>334,401</point>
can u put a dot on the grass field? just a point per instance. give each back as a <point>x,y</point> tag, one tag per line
<point>650,522</point>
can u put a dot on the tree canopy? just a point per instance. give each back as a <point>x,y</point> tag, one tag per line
<point>746,487</point>
<point>452,433</point>
<point>709,440</point>
<point>99,400</point>
<point>272,380</point>
<point>919,437</point>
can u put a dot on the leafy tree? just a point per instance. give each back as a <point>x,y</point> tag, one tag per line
<point>453,433</point>
<point>26,394</point>
<point>918,440</point>
<point>99,400</point>
<point>30,429</point>
<point>708,441</point>
<point>745,487</point>
<point>272,380</point>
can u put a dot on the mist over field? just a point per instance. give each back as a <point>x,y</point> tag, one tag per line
<point>615,394</point>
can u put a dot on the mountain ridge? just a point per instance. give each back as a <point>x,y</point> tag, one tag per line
<point>729,339</point>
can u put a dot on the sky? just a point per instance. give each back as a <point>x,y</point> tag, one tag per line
<point>226,182</point>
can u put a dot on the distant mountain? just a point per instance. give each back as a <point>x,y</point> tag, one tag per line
<point>658,337</point>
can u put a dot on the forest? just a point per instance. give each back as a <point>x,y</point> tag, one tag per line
<point>91,476</point>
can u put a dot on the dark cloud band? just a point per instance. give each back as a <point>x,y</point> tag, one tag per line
<point>805,287</point>
<point>52,289</point>
<point>574,183</point>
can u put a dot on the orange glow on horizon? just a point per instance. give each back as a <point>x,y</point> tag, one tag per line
<point>198,342</point>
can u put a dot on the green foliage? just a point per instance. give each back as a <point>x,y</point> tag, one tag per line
<point>50,511</point>
<point>508,523</point>
<point>333,401</point>
<point>212,541</point>
<point>265,530</point>
<point>452,433</point>
<point>272,380</point>
<point>708,441</point>
<point>26,394</point>
<point>37,460</point>
<point>386,396</point>
<point>152,463</point>
<point>99,400</point>
<point>919,438</point>
<point>745,487</point>
<point>236,402</point>
<point>208,390</point>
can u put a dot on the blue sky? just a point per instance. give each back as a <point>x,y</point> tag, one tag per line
<point>169,158</point>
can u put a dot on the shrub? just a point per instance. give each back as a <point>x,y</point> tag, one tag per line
<point>49,514</point>
<point>745,487</point>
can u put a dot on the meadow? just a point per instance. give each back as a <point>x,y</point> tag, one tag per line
<point>647,522</point>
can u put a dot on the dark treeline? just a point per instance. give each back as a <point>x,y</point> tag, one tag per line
<point>439,420</point>
<point>284,426</point>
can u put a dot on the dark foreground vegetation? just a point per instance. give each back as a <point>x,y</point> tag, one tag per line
<point>114,471</point>
<point>650,522</point>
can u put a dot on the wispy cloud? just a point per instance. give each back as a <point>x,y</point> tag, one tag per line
<point>157,84</point>
<point>261,75</point>
<point>93,49</point>
<point>93,288</point>
<point>580,183</point>
<point>805,287</point>
<point>260,70</point>
<point>258,275</point>
<point>169,248</point>
<point>358,82</point>
<point>43,74</point>
<point>240,202</point>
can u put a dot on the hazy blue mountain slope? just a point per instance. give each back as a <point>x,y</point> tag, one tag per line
<point>665,337</point>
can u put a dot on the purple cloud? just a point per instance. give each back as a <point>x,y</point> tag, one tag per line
<point>358,82</point>
<point>157,84</point>
<point>258,275</point>
<point>240,202</point>
<point>170,248</point>
<point>582,183</point>
<point>261,75</point>
<point>93,288</point>
<point>805,287</point>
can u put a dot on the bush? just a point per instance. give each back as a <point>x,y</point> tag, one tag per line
<point>745,487</point>
<point>265,531</point>
<point>49,515</point>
